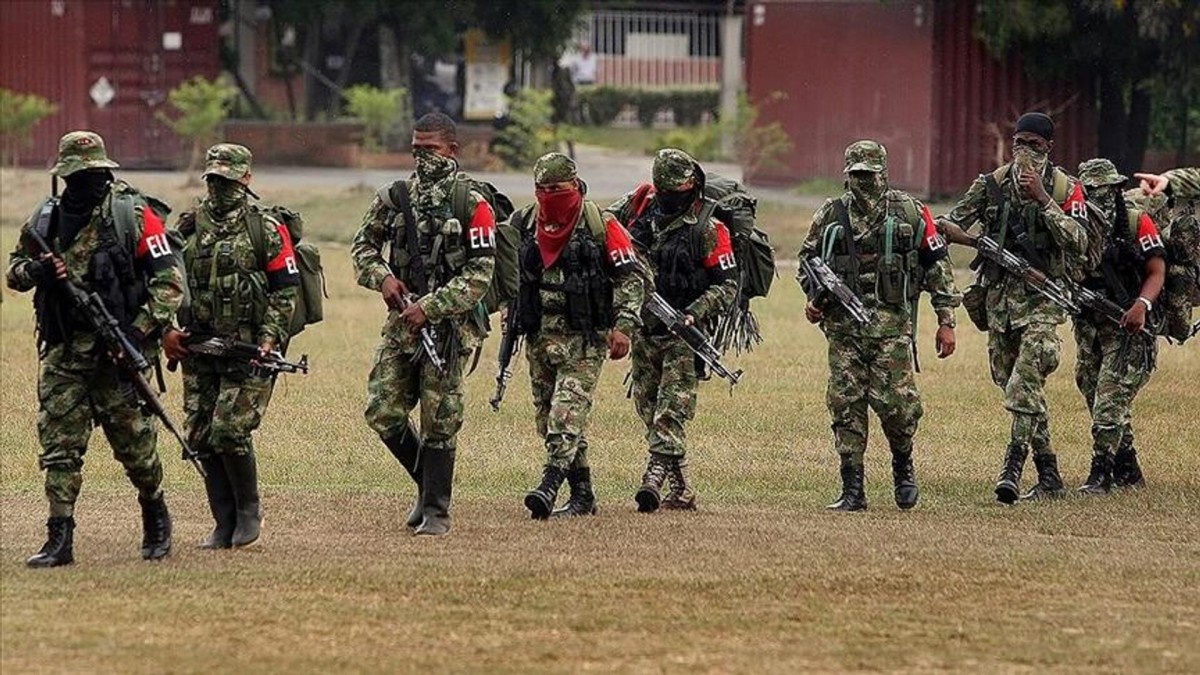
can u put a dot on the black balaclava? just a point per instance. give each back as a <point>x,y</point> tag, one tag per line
<point>85,191</point>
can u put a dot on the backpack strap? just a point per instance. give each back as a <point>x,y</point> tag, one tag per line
<point>255,227</point>
<point>124,219</point>
<point>460,199</point>
<point>595,221</point>
<point>992,182</point>
<point>1061,182</point>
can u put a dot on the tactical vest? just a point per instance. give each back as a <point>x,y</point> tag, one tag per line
<point>226,274</point>
<point>679,273</point>
<point>443,252</point>
<point>586,287</point>
<point>1122,263</point>
<point>1018,227</point>
<point>884,263</point>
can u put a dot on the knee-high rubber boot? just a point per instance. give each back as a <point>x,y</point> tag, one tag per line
<point>904,480</point>
<point>1049,484</point>
<point>1126,470</point>
<point>243,476</point>
<point>540,500</point>
<point>1008,485</point>
<point>59,547</point>
<point>220,502</point>
<point>407,450</point>
<point>437,485</point>
<point>582,501</point>
<point>156,527</point>
<point>854,496</point>
<point>1100,478</point>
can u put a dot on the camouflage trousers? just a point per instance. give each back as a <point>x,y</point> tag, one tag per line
<point>563,372</point>
<point>398,384</point>
<point>1021,359</point>
<point>224,403</point>
<point>1110,368</point>
<point>875,373</point>
<point>664,390</point>
<point>75,391</point>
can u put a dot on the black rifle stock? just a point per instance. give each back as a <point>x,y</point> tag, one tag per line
<point>125,354</point>
<point>824,281</point>
<point>244,352</point>
<point>698,342</point>
<point>1022,269</point>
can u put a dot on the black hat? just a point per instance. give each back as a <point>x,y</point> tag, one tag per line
<point>1037,123</point>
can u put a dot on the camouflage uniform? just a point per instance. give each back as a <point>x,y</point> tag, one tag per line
<point>1111,365</point>
<point>1184,182</point>
<point>701,282</point>
<point>242,293</point>
<point>871,365</point>
<point>566,349</point>
<point>402,377</point>
<point>1023,345</point>
<point>79,385</point>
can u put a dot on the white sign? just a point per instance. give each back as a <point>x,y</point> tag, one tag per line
<point>102,92</point>
<point>172,42</point>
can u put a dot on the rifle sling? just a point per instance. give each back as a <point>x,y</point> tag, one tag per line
<point>417,273</point>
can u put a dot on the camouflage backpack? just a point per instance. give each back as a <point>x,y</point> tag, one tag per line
<point>310,301</point>
<point>1179,226</point>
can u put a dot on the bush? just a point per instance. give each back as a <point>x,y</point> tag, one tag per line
<point>529,133</point>
<point>384,113</point>
<point>603,104</point>
<point>703,143</point>
<point>757,145</point>
<point>201,106</point>
<point>689,105</point>
<point>19,114</point>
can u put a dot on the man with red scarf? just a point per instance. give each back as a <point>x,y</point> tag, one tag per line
<point>691,257</point>
<point>578,302</point>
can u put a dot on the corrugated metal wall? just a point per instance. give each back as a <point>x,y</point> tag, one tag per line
<point>60,49</point>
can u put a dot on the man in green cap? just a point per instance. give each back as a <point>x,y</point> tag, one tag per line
<point>109,239</point>
<point>884,246</point>
<point>579,299</point>
<point>1113,362</point>
<point>243,278</point>
<point>691,261</point>
<point>1036,211</point>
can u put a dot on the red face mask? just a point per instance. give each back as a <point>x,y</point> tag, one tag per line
<point>556,208</point>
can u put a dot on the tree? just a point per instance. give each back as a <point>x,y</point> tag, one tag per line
<point>200,107</point>
<point>1128,49</point>
<point>19,114</point>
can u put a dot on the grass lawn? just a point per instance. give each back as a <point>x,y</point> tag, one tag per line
<point>760,579</point>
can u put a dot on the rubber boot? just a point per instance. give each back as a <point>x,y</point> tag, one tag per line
<point>156,527</point>
<point>583,500</point>
<point>220,503</point>
<point>853,497</point>
<point>1100,478</point>
<point>437,485</point>
<point>1008,485</point>
<point>904,479</point>
<point>649,495</point>
<point>540,500</point>
<point>681,497</point>
<point>407,450</point>
<point>243,476</point>
<point>59,548</point>
<point>1049,484</point>
<point>1127,473</point>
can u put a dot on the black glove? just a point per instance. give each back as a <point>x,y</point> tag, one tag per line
<point>41,271</point>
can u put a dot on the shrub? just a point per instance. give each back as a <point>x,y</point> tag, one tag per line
<point>19,114</point>
<point>201,106</point>
<point>529,133</point>
<point>384,113</point>
<point>703,143</point>
<point>602,104</point>
<point>758,145</point>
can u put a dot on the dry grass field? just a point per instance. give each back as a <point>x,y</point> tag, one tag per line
<point>760,579</point>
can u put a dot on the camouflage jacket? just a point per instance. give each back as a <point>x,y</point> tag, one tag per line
<point>935,276</point>
<point>455,299</point>
<point>1011,303</point>
<point>152,257</point>
<point>1185,182</point>
<point>222,254</point>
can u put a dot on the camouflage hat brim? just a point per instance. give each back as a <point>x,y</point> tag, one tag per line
<point>864,166</point>
<point>225,171</point>
<point>1111,179</point>
<point>69,165</point>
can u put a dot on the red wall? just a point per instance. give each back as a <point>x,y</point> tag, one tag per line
<point>59,48</point>
<point>850,70</point>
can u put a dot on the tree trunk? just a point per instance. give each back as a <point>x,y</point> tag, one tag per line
<point>1111,129</point>
<point>311,58</point>
<point>1137,131</point>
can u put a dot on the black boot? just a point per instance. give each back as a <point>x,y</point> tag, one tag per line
<point>1100,478</point>
<point>648,496</point>
<point>540,500</point>
<point>1008,485</point>
<point>681,497</point>
<point>904,478</point>
<point>437,485</point>
<point>243,476</point>
<point>59,546</point>
<point>407,450</point>
<point>220,503</point>
<point>853,497</point>
<point>156,527</point>
<point>583,500</point>
<point>1126,470</point>
<point>1049,484</point>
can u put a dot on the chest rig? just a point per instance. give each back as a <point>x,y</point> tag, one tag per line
<point>884,261</point>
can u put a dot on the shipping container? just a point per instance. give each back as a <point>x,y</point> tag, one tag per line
<point>108,65</point>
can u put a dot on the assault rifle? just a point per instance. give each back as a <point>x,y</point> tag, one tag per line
<point>429,341</point>
<point>125,354</point>
<point>1103,306</point>
<point>236,350</point>
<point>510,344</point>
<point>699,343</point>
<point>823,280</point>
<point>1022,269</point>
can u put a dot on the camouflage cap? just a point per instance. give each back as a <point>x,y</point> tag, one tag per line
<point>227,160</point>
<point>554,167</point>
<point>81,150</point>
<point>672,168</point>
<point>1099,171</point>
<point>866,156</point>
